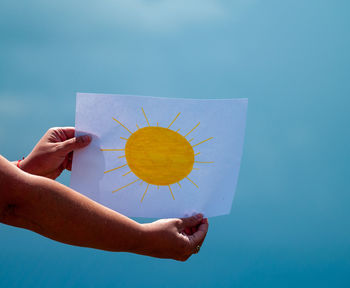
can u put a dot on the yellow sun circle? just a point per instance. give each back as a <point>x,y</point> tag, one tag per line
<point>159,156</point>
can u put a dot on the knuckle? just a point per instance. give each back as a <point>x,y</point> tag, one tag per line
<point>71,141</point>
<point>184,258</point>
<point>189,250</point>
<point>178,222</point>
<point>185,248</point>
<point>57,147</point>
<point>52,129</point>
<point>182,246</point>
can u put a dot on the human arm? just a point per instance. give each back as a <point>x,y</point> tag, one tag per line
<point>60,213</point>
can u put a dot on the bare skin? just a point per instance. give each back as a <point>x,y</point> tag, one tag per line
<point>53,210</point>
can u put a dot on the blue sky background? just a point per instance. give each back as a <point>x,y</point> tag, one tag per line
<point>289,225</point>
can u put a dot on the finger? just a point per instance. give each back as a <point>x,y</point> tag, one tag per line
<point>68,131</point>
<point>69,162</point>
<point>188,231</point>
<point>192,221</point>
<point>197,238</point>
<point>69,165</point>
<point>63,133</point>
<point>204,221</point>
<point>75,143</point>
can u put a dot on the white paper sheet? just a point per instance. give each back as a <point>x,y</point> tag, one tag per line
<point>184,154</point>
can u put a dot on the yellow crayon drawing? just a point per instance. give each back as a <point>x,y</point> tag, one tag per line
<point>157,155</point>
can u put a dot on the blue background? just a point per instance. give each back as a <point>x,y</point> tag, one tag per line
<point>289,225</point>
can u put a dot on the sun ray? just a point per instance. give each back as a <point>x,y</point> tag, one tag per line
<point>126,185</point>
<point>157,124</point>
<point>192,182</point>
<point>145,116</point>
<point>124,138</point>
<point>179,184</point>
<point>195,168</point>
<point>144,193</point>
<point>158,187</point>
<point>121,156</point>
<point>197,153</point>
<point>192,129</point>
<point>112,149</point>
<point>178,130</point>
<point>115,168</point>
<point>127,173</point>
<point>191,140</point>
<point>174,120</point>
<point>202,141</point>
<point>203,162</point>
<point>171,192</point>
<point>122,125</point>
<point>137,126</point>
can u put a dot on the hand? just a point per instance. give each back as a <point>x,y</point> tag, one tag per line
<point>167,238</point>
<point>54,152</point>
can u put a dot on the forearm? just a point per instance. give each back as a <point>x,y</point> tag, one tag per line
<point>58,212</point>
<point>69,217</point>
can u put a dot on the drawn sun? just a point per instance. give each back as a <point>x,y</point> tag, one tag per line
<point>158,156</point>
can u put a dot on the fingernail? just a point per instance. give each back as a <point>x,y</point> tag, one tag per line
<point>86,138</point>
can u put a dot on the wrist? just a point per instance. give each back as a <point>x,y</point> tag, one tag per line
<point>140,243</point>
<point>19,161</point>
<point>133,240</point>
<point>24,165</point>
<point>21,164</point>
<point>149,240</point>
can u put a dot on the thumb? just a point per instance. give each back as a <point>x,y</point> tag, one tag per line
<point>75,143</point>
<point>197,238</point>
<point>192,221</point>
